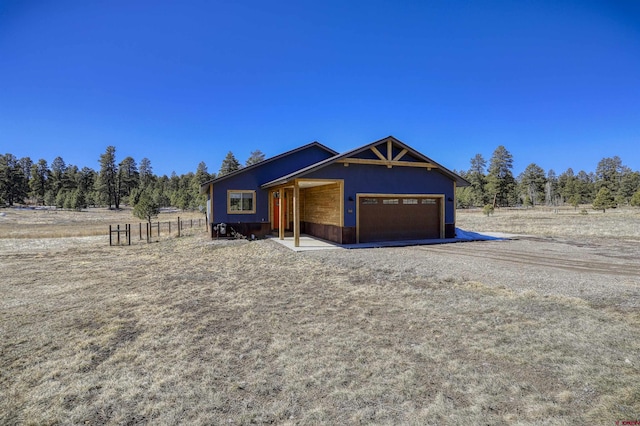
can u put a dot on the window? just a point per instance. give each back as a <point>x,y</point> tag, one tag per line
<point>366,201</point>
<point>429,201</point>
<point>241,202</point>
<point>390,201</point>
<point>410,201</point>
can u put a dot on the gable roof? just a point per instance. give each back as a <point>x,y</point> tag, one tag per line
<point>204,185</point>
<point>321,164</point>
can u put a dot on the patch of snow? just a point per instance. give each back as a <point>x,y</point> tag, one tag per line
<point>475,236</point>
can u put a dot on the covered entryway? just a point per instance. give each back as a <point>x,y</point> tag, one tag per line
<point>389,217</point>
<point>316,206</point>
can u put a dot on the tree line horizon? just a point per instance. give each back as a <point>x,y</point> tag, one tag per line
<point>611,185</point>
<point>127,182</point>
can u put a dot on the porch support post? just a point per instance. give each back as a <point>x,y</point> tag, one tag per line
<point>281,207</point>
<point>296,214</point>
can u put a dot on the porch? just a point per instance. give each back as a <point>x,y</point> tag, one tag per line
<point>310,243</point>
<point>312,205</point>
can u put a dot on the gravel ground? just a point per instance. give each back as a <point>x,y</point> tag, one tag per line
<point>601,272</point>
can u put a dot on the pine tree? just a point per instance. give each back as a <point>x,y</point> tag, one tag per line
<point>532,184</point>
<point>184,197</point>
<point>107,181</point>
<point>585,187</point>
<point>128,176</point>
<point>13,183</point>
<point>574,200</point>
<point>70,178</point>
<point>551,188</point>
<point>608,173</point>
<point>146,207</point>
<point>604,200</point>
<point>162,191</point>
<point>464,197</point>
<point>58,167</point>
<point>202,173</point>
<point>202,176</point>
<point>61,198</point>
<point>229,164</point>
<point>567,185</point>
<point>500,181</point>
<point>255,157</point>
<point>87,178</point>
<point>478,180</point>
<point>146,172</point>
<point>25,164</point>
<point>39,181</point>
<point>629,184</point>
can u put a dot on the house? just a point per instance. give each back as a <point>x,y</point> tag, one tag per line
<point>382,191</point>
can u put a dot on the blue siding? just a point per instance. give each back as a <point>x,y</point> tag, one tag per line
<point>257,176</point>
<point>361,178</point>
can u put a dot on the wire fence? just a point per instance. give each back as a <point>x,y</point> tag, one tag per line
<point>153,231</point>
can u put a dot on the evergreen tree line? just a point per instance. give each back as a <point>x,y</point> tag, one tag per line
<point>611,185</point>
<point>126,182</point>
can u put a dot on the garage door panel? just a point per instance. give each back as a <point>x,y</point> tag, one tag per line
<point>398,218</point>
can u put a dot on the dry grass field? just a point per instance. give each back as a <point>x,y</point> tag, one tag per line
<point>538,330</point>
<point>560,222</point>
<point>37,224</point>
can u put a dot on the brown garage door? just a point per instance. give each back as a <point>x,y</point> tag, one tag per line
<point>392,218</point>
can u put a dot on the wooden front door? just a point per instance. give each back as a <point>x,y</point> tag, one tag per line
<point>276,210</point>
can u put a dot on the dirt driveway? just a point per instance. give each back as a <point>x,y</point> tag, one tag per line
<point>603,272</point>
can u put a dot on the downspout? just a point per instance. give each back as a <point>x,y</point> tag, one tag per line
<point>211,209</point>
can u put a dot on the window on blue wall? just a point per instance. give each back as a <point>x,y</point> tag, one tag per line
<point>241,202</point>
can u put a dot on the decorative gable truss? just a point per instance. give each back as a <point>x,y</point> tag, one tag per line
<point>388,153</point>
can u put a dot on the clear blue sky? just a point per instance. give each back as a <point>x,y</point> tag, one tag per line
<point>556,82</point>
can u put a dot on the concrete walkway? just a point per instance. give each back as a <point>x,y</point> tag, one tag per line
<point>309,243</point>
